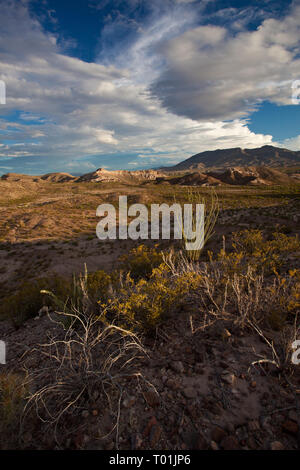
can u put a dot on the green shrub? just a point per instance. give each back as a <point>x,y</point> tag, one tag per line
<point>28,299</point>
<point>141,261</point>
<point>146,303</point>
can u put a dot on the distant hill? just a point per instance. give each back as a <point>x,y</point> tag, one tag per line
<point>259,175</point>
<point>267,155</point>
<point>98,176</point>
<point>102,175</point>
<point>58,177</point>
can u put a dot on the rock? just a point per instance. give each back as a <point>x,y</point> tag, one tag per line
<point>242,433</point>
<point>276,445</point>
<point>128,402</point>
<point>223,364</point>
<point>85,414</point>
<point>177,367</point>
<point>228,378</point>
<point>136,441</point>
<point>152,422</point>
<point>201,443</point>
<point>190,392</point>
<point>152,398</point>
<point>172,384</point>
<point>43,311</point>
<point>252,443</point>
<point>218,434</point>
<point>214,445</point>
<point>290,427</point>
<point>253,426</point>
<point>230,443</point>
<point>155,435</point>
<point>110,445</point>
<point>293,415</point>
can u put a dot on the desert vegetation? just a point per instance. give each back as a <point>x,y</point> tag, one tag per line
<point>138,345</point>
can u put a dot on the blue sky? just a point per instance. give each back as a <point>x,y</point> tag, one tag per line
<point>143,83</point>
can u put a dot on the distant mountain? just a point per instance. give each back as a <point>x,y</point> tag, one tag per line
<point>267,155</point>
<point>253,175</point>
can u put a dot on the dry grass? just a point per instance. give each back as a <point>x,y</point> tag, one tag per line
<point>92,361</point>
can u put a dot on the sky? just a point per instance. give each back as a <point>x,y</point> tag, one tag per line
<point>136,84</point>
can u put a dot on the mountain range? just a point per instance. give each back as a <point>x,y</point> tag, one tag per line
<point>234,166</point>
<point>267,155</point>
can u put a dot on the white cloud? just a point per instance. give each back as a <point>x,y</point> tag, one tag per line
<point>292,143</point>
<point>214,74</point>
<point>70,108</point>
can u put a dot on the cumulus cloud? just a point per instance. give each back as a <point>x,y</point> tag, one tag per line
<point>60,108</point>
<point>212,73</point>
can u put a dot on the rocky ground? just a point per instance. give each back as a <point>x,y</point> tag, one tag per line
<point>199,390</point>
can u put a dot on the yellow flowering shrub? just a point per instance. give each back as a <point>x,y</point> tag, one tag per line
<point>144,304</point>
<point>141,261</point>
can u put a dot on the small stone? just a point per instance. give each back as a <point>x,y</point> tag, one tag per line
<point>172,384</point>
<point>136,441</point>
<point>218,434</point>
<point>178,367</point>
<point>85,414</point>
<point>200,443</point>
<point>290,427</point>
<point>228,378</point>
<point>152,398</point>
<point>128,402</point>
<point>155,435</point>
<point>110,445</point>
<point>152,422</point>
<point>223,364</point>
<point>230,443</point>
<point>276,445</point>
<point>241,433</point>
<point>293,415</point>
<point>253,426</point>
<point>43,311</point>
<point>252,443</point>
<point>190,392</point>
<point>214,445</point>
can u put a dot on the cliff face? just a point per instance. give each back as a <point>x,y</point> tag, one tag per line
<point>102,175</point>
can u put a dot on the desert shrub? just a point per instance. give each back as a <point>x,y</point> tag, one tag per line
<point>98,285</point>
<point>26,302</point>
<point>28,299</point>
<point>145,304</point>
<point>251,247</point>
<point>294,299</point>
<point>88,366</point>
<point>235,291</point>
<point>141,261</point>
